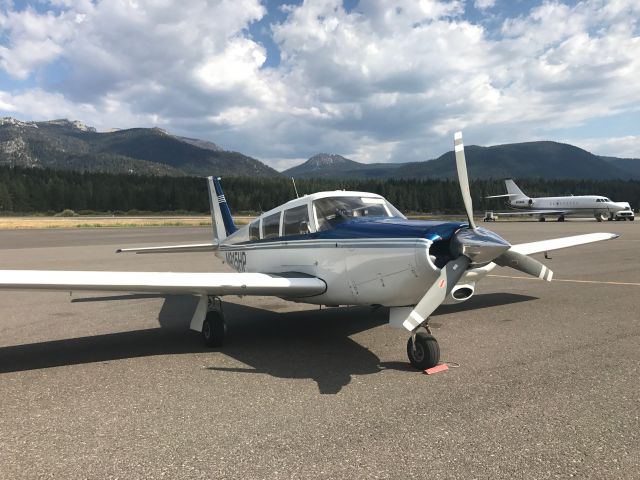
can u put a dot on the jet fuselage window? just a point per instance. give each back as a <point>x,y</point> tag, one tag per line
<point>332,211</point>
<point>271,226</point>
<point>254,230</point>
<point>296,221</point>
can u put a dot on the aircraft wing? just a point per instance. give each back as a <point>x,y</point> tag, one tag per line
<point>197,247</point>
<point>532,212</point>
<point>287,286</point>
<point>558,243</point>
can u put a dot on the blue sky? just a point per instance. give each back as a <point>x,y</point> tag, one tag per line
<point>375,80</point>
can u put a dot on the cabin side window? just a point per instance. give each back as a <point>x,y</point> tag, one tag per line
<point>271,226</point>
<point>254,230</point>
<point>296,221</point>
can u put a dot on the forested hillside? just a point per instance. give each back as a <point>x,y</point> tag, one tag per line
<point>27,190</point>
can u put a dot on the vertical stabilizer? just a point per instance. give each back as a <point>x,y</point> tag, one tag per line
<point>513,190</point>
<point>220,209</point>
<point>217,220</point>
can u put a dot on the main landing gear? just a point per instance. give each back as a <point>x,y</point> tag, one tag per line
<point>423,350</point>
<point>561,218</point>
<point>214,328</point>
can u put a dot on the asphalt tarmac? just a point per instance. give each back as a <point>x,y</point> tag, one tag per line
<point>543,380</point>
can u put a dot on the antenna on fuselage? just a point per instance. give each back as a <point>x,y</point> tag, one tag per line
<point>294,187</point>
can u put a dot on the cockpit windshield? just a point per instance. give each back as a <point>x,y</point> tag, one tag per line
<point>332,211</point>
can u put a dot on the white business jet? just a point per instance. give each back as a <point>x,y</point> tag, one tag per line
<point>580,205</point>
<point>329,248</point>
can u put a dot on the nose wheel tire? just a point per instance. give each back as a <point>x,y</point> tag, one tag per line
<point>214,329</point>
<point>423,351</point>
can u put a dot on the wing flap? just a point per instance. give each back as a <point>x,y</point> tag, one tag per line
<point>198,247</point>
<point>564,242</point>
<point>164,282</point>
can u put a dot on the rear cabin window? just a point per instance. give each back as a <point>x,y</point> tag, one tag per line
<point>254,230</point>
<point>296,221</point>
<point>271,226</point>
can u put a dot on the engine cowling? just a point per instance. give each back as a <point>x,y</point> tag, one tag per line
<point>462,293</point>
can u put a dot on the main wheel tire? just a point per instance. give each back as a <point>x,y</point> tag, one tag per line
<point>541,219</point>
<point>214,329</point>
<point>561,218</point>
<point>424,352</point>
<point>631,218</point>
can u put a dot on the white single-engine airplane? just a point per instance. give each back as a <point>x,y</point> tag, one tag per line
<point>580,205</point>
<point>329,248</point>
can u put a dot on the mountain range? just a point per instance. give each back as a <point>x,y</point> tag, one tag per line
<point>521,160</point>
<point>71,145</point>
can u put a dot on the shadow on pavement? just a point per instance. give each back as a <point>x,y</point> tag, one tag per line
<point>305,344</point>
<point>483,300</point>
<point>313,344</point>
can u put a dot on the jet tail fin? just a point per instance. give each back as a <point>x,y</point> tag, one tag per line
<point>513,190</point>
<point>221,218</point>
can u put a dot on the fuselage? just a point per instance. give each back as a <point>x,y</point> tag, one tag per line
<point>587,205</point>
<point>365,250</point>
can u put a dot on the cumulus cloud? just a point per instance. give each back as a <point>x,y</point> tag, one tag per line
<point>484,4</point>
<point>623,147</point>
<point>384,81</point>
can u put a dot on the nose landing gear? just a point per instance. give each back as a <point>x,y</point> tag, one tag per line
<point>423,350</point>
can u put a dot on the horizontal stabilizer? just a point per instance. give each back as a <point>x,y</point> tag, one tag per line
<point>198,247</point>
<point>164,282</point>
<point>505,195</point>
<point>564,242</point>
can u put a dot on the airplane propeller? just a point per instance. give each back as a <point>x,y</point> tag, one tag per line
<point>463,178</point>
<point>470,245</point>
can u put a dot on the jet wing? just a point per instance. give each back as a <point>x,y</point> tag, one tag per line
<point>533,212</point>
<point>558,243</point>
<point>287,286</point>
<point>197,247</point>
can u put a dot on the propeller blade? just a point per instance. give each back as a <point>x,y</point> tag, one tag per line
<point>525,264</point>
<point>463,177</point>
<point>450,274</point>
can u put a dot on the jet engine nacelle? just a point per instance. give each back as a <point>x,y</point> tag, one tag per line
<point>461,293</point>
